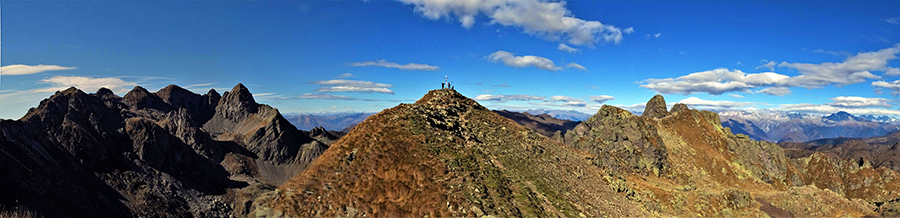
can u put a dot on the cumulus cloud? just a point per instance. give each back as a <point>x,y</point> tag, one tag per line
<point>504,98</point>
<point>339,85</point>
<point>714,82</point>
<point>854,69</point>
<point>601,98</point>
<point>859,102</point>
<point>776,91</point>
<point>566,48</point>
<point>576,66</point>
<point>384,63</point>
<point>545,19</point>
<point>522,61</point>
<point>697,102</point>
<point>20,69</point>
<point>893,86</point>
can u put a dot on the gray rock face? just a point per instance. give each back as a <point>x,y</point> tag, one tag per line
<point>656,107</point>
<point>621,141</point>
<point>678,107</point>
<point>172,153</point>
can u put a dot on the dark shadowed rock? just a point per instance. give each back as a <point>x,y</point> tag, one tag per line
<point>656,107</point>
<point>148,154</point>
<point>140,98</point>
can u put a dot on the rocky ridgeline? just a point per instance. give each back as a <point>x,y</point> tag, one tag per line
<point>683,162</point>
<point>172,153</point>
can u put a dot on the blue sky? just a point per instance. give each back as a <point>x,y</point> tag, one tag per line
<point>331,56</point>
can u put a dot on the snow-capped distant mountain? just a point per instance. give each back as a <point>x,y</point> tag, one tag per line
<point>561,114</point>
<point>777,126</point>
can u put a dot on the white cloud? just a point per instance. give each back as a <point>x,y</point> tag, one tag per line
<point>87,84</point>
<point>657,35</point>
<point>766,65</point>
<point>324,96</point>
<point>601,98</point>
<point>854,69</point>
<point>19,69</point>
<point>697,102</point>
<point>17,102</point>
<point>345,75</point>
<point>736,96</point>
<point>893,86</point>
<point>859,102</point>
<point>714,82</point>
<point>504,98</point>
<point>383,63</point>
<point>545,19</point>
<point>339,85</point>
<point>628,30</point>
<point>566,48</point>
<point>522,61</point>
<point>892,20</point>
<point>576,66</point>
<point>777,91</point>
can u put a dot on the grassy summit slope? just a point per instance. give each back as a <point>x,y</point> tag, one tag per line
<point>446,155</point>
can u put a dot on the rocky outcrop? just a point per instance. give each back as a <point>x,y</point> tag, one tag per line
<point>687,158</point>
<point>656,107</point>
<point>621,141</point>
<point>172,153</point>
<point>678,107</point>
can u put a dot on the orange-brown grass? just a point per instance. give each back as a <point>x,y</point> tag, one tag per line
<point>447,156</point>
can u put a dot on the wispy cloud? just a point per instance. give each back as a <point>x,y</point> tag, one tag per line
<point>384,63</point>
<point>566,48</point>
<point>20,69</point>
<point>345,75</point>
<point>339,85</point>
<point>736,96</point>
<point>573,65</point>
<point>600,99</point>
<point>892,20</point>
<point>546,19</point>
<point>710,104</point>
<point>523,61</point>
<point>766,64</point>
<point>776,91</point>
<point>17,102</point>
<point>504,98</point>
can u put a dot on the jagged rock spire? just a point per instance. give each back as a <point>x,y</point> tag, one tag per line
<point>656,107</point>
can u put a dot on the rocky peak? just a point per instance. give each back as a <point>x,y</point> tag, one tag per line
<point>656,107</point>
<point>678,107</point>
<point>840,116</point>
<point>177,96</point>
<point>140,98</point>
<point>237,103</point>
<point>104,92</point>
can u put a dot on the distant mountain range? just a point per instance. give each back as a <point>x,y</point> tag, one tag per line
<point>561,114</point>
<point>329,121</point>
<point>800,127</point>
